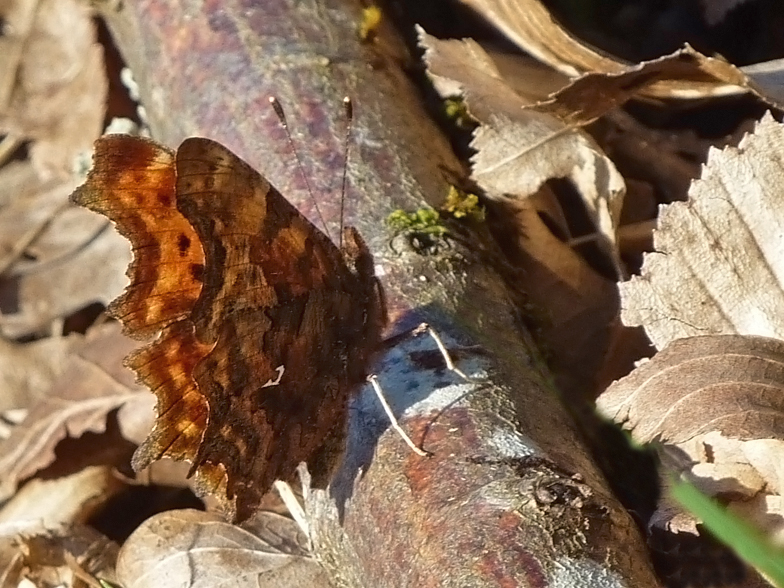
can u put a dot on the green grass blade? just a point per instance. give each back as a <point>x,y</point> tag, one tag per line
<point>748,542</point>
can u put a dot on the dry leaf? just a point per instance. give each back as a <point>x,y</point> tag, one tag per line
<point>93,384</point>
<point>717,265</point>
<point>65,555</point>
<point>517,149</point>
<point>66,499</point>
<point>529,25</point>
<point>593,94</point>
<point>718,403</point>
<point>55,259</point>
<point>197,549</point>
<point>59,87</point>
<point>28,370</point>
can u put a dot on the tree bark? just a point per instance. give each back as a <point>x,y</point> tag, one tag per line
<point>510,496</point>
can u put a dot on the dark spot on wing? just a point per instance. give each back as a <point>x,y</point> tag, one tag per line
<point>183,244</point>
<point>197,271</point>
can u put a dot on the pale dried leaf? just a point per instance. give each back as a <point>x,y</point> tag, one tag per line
<point>28,370</point>
<point>730,384</point>
<point>514,157</point>
<point>594,94</point>
<point>768,77</point>
<point>463,68</point>
<point>66,499</point>
<point>717,265</point>
<point>63,555</point>
<point>93,384</point>
<point>519,149</point>
<point>59,95</point>
<point>56,258</point>
<point>718,403</point>
<point>197,549</point>
<point>529,25</point>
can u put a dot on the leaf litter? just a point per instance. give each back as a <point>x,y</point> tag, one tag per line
<point>691,396</point>
<point>710,297</point>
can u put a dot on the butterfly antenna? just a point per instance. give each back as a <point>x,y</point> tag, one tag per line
<point>282,119</point>
<point>348,109</point>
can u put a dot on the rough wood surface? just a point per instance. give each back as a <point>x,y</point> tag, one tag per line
<point>510,496</point>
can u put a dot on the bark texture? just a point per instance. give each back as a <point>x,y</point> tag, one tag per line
<point>510,496</point>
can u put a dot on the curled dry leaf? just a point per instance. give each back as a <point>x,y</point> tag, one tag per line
<point>27,370</point>
<point>718,403</point>
<point>529,25</point>
<point>594,94</point>
<point>518,149</point>
<point>54,90</point>
<point>93,383</point>
<point>199,549</point>
<point>55,259</point>
<point>717,267</point>
<point>62,555</point>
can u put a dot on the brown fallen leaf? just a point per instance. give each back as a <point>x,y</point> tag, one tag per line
<point>530,25</point>
<point>518,149</point>
<point>62,500</point>
<point>53,258</point>
<point>717,265</point>
<point>59,88</point>
<point>48,556</point>
<point>718,403</point>
<point>595,93</point>
<point>28,370</point>
<point>197,549</point>
<point>93,384</point>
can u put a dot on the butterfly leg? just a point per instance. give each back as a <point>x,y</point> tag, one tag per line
<point>392,419</point>
<point>450,364</point>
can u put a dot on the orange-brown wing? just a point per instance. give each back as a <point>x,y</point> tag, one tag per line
<point>133,182</point>
<point>278,338</point>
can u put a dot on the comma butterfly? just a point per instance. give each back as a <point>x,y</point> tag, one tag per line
<point>265,327</point>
